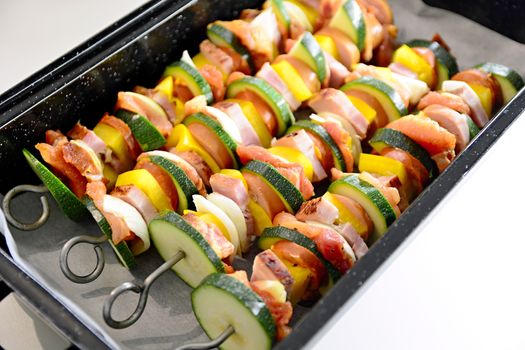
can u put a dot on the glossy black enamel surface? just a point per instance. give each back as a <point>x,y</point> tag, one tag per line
<point>84,83</point>
<point>503,16</point>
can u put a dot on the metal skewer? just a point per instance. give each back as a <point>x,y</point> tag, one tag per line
<point>64,255</point>
<point>142,288</point>
<point>212,344</point>
<point>6,206</point>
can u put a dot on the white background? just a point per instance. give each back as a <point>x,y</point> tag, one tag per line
<point>459,284</point>
<point>36,32</point>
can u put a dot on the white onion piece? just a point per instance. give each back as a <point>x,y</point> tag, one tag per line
<point>346,125</point>
<point>133,220</point>
<point>265,30</point>
<point>463,90</point>
<point>187,59</point>
<point>205,206</point>
<point>234,212</point>
<point>226,122</point>
<point>416,87</point>
<point>92,154</point>
<point>298,14</point>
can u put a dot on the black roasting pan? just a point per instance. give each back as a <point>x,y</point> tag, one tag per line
<point>134,51</point>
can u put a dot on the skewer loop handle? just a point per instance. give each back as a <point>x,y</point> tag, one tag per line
<point>64,256</point>
<point>6,206</point>
<point>141,288</point>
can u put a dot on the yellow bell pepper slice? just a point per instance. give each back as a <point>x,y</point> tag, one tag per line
<point>115,141</point>
<point>368,112</point>
<point>346,215</point>
<point>166,86</point>
<point>386,166</point>
<point>181,138</point>
<point>111,175</point>
<point>309,12</point>
<point>294,156</point>
<point>188,211</point>
<point>261,219</point>
<point>211,219</point>
<point>327,43</point>
<point>301,280</point>
<point>179,110</point>
<point>410,59</point>
<point>250,112</point>
<point>293,79</point>
<point>200,60</point>
<point>485,96</point>
<point>147,184</point>
<point>385,74</point>
<point>236,174</point>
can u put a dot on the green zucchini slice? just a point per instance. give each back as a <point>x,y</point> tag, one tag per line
<point>279,9</point>
<point>350,20</point>
<point>370,198</point>
<point>287,192</point>
<point>393,138</point>
<point>308,50</point>
<point>509,80</point>
<point>389,98</point>
<point>221,301</point>
<point>67,201</point>
<point>223,37</point>
<point>217,130</point>
<point>146,134</point>
<point>190,77</point>
<point>319,131</point>
<point>272,235</point>
<point>473,129</point>
<point>185,187</point>
<point>277,103</point>
<point>121,250</point>
<point>172,234</point>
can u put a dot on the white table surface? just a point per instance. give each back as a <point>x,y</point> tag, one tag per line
<point>458,284</point>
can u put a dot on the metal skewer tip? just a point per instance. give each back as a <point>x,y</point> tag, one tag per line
<point>64,257</point>
<point>6,206</point>
<point>212,344</point>
<point>142,288</point>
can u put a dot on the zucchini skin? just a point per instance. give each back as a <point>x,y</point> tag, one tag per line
<point>176,222</point>
<point>399,140</point>
<point>294,236</point>
<point>246,297</point>
<point>285,189</point>
<point>122,251</point>
<point>73,207</point>
<point>395,109</point>
<point>148,137</point>
<point>442,55</point>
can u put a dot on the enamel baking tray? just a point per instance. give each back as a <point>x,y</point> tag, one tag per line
<point>134,51</point>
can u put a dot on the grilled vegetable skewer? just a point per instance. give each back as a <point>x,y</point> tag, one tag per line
<point>431,115</point>
<point>470,129</point>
